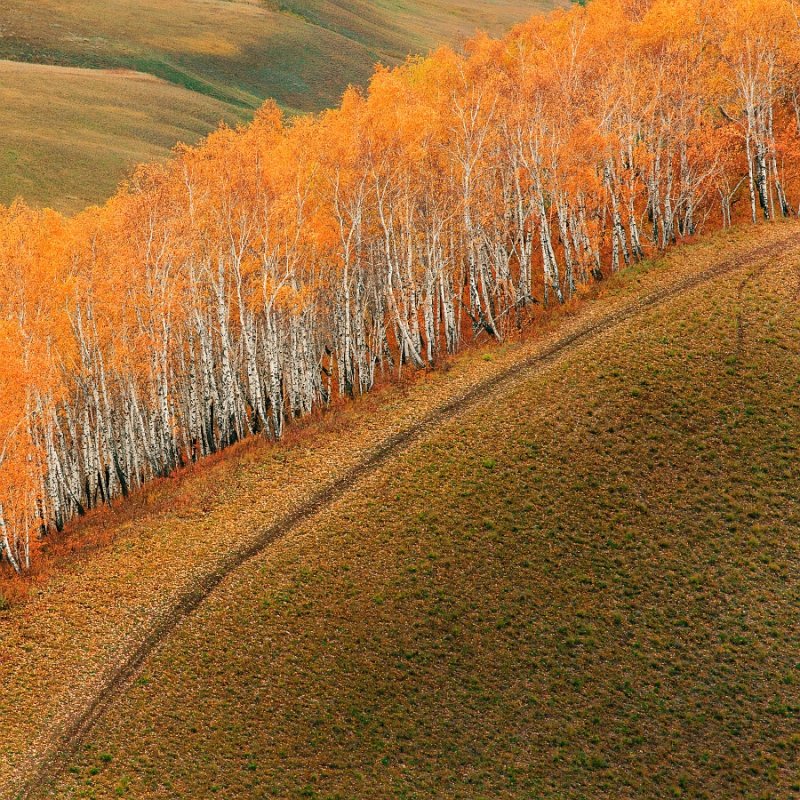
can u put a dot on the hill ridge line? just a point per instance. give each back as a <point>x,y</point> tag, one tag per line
<point>67,739</point>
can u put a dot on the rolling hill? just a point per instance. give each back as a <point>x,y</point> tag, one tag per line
<point>73,134</point>
<point>70,134</point>
<point>561,568</point>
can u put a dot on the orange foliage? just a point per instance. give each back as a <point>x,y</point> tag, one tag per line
<point>277,268</point>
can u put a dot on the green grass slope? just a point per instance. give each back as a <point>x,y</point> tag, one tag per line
<point>234,52</point>
<point>70,134</point>
<point>583,588</point>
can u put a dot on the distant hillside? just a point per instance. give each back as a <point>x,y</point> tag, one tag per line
<point>70,134</point>
<point>69,137</point>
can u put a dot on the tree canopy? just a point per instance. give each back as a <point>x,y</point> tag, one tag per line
<point>280,266</point>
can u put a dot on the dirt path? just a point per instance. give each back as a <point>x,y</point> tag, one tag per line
<point>68,736</point>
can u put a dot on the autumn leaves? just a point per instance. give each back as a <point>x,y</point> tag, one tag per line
<point>280,266</point>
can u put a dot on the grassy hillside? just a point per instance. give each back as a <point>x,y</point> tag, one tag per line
<point>582,587</point>
<point>235,52</point>
<point>70,146</point>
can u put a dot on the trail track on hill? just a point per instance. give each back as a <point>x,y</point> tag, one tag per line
<point>66,739</point>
